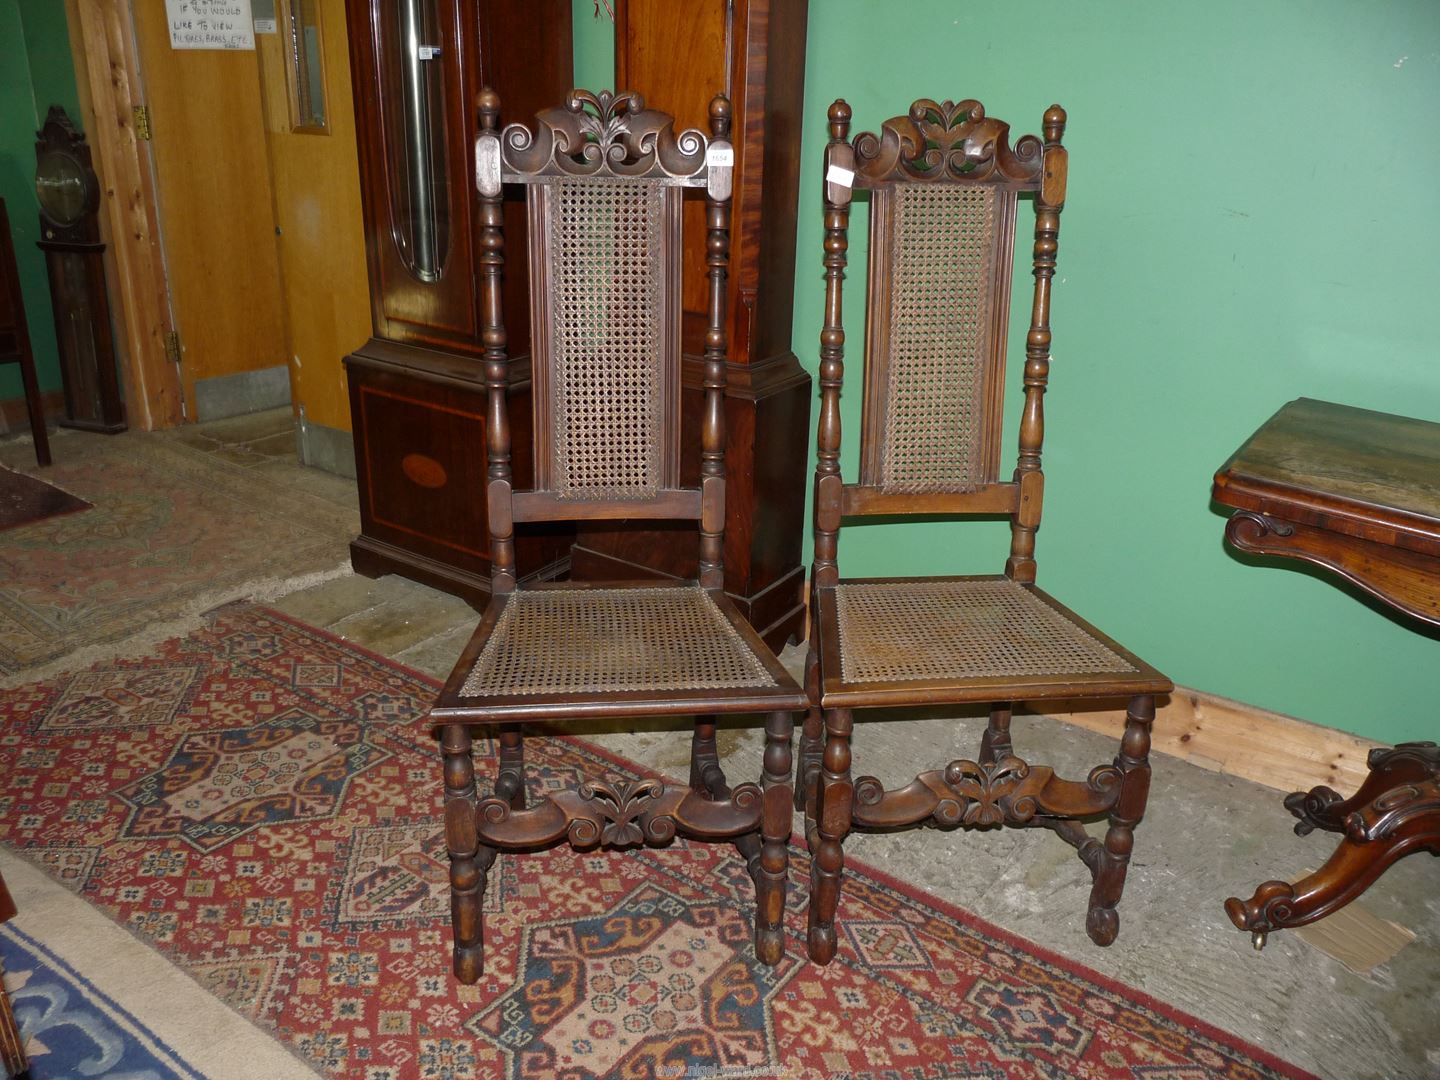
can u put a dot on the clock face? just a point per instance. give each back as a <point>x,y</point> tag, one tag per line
<point>61,188</point>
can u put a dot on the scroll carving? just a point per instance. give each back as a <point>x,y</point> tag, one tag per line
<point>947,141</point>
<point>1391,812</point>
<point>978,795</point>
<point>598,813</point>
<point>604,134</point>
<point>1396,811</point>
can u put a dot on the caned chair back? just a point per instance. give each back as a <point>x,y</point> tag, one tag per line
<point>944,186</point>
<point>943,183</point>
<point>604,178</point>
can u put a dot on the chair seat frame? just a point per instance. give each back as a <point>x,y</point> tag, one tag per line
<point>952,144</point>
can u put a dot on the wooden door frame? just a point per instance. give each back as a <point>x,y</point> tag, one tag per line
<point>102,42</point>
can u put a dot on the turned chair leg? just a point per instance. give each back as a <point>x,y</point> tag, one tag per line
<point>469,861</point>
<point>1111,861</point>
<point>995,743</point>
<point>812,742</point>
<point>706,776</point>
<point>833,803</point>
<point>707,779</point>
<point>776,811</point>
<point>510,783</point>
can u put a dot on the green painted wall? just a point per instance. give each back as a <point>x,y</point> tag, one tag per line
<point>594,47</point>
<point>36,70</point>
<point>1250,219</point>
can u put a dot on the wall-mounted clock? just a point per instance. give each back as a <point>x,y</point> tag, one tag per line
<point>69,195</point>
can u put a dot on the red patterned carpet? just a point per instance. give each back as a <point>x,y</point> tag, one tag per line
<point>261,802</point>
<point>171,531</point>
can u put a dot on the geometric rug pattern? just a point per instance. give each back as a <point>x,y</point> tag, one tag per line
<point>264,808</point>
<point>170,528</point>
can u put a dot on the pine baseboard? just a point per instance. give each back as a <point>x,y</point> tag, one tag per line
<point>1241,740</point>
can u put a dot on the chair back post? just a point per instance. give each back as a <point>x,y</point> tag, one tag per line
<point>1049,201</point>
<point>492,336</point>
<point>712,436</point>
<point>829,488</point>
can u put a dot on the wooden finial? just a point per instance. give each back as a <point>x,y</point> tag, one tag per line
<point>720,116</point>
<point>487,105</point>
<point>1054,126</point>
<point>839,119</point>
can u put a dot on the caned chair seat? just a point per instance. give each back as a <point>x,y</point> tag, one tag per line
<point>613,648</point>
<point>961,638</point>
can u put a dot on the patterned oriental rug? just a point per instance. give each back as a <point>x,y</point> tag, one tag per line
<point>172,533</point>
<point>24,500</point>
<point>261,803</point>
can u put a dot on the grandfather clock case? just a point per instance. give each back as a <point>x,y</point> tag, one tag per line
<point>677,55</point>
<point>68,192</point>
<point>417,391</point>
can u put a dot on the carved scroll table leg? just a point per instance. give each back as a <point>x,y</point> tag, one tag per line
<point>1324,808</point>
<point>1395,812</point>
<point>469,863</point>
<point>1102,922</point>
<point>812,743</point>
<point>833,799</point>
<point>774,864</point>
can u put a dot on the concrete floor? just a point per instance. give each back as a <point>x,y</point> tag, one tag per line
<point>1206,837</point>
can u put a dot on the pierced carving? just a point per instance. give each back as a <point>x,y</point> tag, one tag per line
<point>986,786</point>
<point>604,134</point>
<point>947,141</point>
<point>620,806</point>
<point>972,794</point>
<point>619,815</point>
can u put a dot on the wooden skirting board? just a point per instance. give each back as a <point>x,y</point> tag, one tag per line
<point>1240,740</point>
<point>13,416</point>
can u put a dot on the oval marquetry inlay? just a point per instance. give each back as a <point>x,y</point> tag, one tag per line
<point>425,471</point>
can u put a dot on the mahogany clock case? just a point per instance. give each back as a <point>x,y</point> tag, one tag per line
<point>417,393</point>
<point>68,192</point>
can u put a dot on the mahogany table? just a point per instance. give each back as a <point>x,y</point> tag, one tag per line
<point>1358,493</point>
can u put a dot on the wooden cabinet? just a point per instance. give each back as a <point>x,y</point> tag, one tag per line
<point>675,54</point>
<point>69,195</point>
<point>416,389</point>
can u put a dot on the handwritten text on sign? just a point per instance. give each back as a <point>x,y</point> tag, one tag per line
<point>210,24</point>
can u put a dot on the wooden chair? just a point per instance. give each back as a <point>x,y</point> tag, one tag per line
<point>15,338</point>
<point>604,177</point>
<point>12,1043</point>
<point>943,184</point>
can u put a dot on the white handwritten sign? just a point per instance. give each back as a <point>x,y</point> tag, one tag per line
<point>210,24</point>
